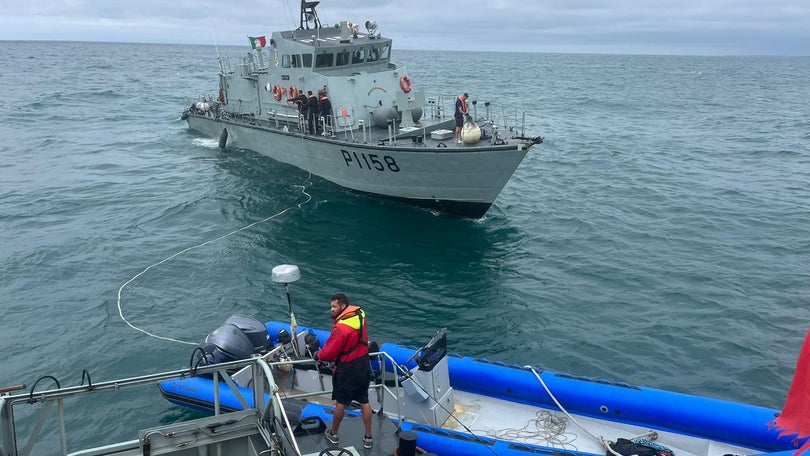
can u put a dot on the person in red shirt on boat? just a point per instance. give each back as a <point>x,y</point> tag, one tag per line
<point>347,346</point>
<point>461,112</point>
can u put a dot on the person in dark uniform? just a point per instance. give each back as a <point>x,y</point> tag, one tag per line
<point>347,346</point>
<point>325,108</point>
<point>461,112</point>
<point>313,111</point>
<point>301,101</point>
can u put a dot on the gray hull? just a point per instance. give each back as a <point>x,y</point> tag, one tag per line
<point>451,178</point>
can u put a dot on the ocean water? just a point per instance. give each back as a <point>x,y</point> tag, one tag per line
<point>659,236</point>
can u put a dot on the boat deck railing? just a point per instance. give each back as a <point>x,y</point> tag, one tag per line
<point>350,126</point>
<point>9,445</point>
<point>267,398</point>
<point>383,359</point>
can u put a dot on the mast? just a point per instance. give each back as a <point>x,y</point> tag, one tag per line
<point>308,14</point>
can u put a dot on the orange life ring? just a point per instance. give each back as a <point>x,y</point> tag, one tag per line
<point>405,83</point>
<point>293,92</point>
<point>278,92</point>
<point>221,96</point>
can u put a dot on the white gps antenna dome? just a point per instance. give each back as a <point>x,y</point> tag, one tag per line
<point>285,273</point>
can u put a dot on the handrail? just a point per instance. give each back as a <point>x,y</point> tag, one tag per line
<point>261,370</point>
<point>10,389</point>
<point>8,436</point>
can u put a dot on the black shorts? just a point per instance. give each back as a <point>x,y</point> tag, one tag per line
<point>350,382</point>
<point>459,121</point>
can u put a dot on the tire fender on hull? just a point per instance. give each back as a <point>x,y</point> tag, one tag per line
<point>223,138</point>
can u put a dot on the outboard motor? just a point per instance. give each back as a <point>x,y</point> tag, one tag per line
<point>226,343</point>
<point>255,331</point>
<point>312,343</point>
<point>283,337</point>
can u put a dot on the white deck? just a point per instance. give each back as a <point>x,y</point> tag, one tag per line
<point>499,419</point>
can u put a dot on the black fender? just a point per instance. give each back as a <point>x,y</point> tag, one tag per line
<point>223,138</point>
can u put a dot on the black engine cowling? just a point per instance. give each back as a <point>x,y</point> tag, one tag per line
<point>239,338</point>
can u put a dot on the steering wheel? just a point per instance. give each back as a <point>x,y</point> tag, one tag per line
<point>335,452</point>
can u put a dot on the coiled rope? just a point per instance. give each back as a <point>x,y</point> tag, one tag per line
<point>547,428</point>
<point>652,435</point>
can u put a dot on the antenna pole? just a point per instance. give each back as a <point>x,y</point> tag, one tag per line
<point>293,323</point>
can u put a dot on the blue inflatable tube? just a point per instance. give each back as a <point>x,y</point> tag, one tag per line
<point>725,421</point>
<point>734,423</point>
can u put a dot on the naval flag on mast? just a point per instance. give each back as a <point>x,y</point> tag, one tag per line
<point>257,41</point>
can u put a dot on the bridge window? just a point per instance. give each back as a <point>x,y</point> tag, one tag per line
<point>324,60</point>
<point>373,54</point>
<point>342,58</point>
<point>306,59</point>
<point>359,55</point>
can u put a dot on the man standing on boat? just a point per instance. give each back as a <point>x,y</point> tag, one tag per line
<point>461,112</point>
<point>325,107</point>
<point>313,112</point>
<point>347,346</point>
<point>301,102</point>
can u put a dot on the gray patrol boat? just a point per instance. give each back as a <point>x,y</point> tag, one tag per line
<point>378,133</point>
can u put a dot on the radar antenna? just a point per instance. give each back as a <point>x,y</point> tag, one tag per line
<point>309,17</point>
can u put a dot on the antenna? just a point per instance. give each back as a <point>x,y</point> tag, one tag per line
<point>216,48</point>
<point>287,274</point>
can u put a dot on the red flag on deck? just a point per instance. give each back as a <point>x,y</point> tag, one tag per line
<point>257,41</point>
<point>795,416</point>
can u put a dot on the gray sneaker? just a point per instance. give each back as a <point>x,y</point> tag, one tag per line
<point>331,437</point>
<point>367,442</point>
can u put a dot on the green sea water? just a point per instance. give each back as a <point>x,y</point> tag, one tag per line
<point>659,236</point>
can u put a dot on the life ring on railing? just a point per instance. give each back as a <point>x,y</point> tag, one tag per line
<point>405,83</point>
<point>293,92</point>
<point>278,92</point>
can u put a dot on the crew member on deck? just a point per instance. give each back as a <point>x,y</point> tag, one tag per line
<point>313,111</point>
<point>325,107</point>
<point>461,112</point>
<point>301,102</point>
<point>347,346</point>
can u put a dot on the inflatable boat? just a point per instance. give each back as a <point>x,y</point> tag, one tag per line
<point>459,405</point>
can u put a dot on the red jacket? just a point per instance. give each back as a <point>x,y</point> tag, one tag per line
<point>346,342</point>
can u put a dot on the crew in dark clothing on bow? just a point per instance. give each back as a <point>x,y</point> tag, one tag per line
<point>326,110</point>
<point>313,111</point>
<point>301,101</point>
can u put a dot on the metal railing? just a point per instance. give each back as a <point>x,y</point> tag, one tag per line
<point>267,398</point>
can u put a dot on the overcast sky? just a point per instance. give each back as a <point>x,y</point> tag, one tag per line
<point>686,27</point>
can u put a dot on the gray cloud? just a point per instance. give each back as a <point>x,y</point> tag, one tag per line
<point>706,27</point>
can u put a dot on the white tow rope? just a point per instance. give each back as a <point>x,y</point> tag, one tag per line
<point>210,241</point>
<point>606,443</point>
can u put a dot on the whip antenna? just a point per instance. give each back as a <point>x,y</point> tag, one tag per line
<point>216,48</point>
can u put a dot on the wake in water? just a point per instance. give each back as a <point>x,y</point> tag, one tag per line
<point>210,241</point>
<point>208,143</point>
